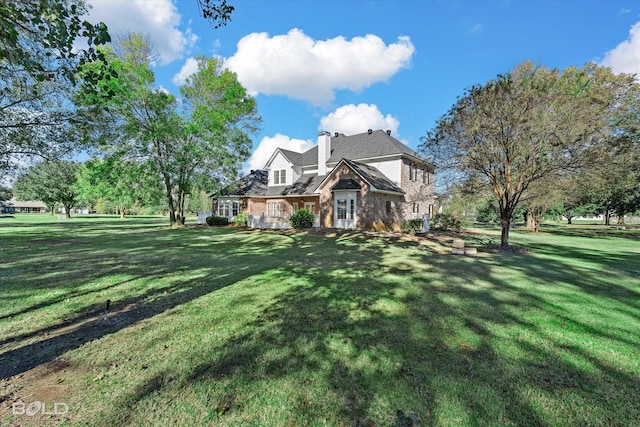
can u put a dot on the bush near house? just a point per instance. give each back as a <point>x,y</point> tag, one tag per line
<point>302,218</point>
<point>217,220</point>
<point>412,226</point>
<point>445,222</point>
<point>241,219</point>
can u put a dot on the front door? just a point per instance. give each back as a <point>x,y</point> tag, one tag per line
<point>344,209</point>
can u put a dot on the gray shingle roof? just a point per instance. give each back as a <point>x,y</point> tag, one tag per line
<point>254,184</point>
<point>373,177</point>
<point>294,157</point>
<point>348,148</point>
<point>347,184</point>
<point>357,147</point>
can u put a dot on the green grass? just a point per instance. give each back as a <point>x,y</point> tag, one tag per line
<point>228,327</point>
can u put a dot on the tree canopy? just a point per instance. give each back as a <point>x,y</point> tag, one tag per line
<point>191,143</point>
<point>526,126</point>
<point>39,60</point>
<point>51,183</point>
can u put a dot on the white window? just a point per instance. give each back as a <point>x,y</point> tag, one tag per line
<point>310,206</point>
<point>342,209</point>
<point>295,206</point>
<point>346,209</point>
<point>223,209</point>
<point>280,176</point>
<point>228,208</point>
<point>416,208</point>
<point>275,209</point>
<point>413,172</point>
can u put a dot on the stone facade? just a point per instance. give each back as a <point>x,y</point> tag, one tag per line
<point>374,209</point>
<point>374,181</point>
<point>419,191</point>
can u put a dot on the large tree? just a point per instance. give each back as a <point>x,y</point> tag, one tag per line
<point>5,193</point>
<point>51,183</point>
<point>39,59</point>
<point>191,143</point>
<point>524,126</point>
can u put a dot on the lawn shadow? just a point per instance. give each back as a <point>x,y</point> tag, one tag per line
<point>436,336</point>
<point>356,324</point>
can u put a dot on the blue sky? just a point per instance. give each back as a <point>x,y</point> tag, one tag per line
<point>349,65</point>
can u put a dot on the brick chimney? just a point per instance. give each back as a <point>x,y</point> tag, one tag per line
<point>324,152</point>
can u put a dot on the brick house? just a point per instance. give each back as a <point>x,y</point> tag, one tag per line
<point>359,181</point>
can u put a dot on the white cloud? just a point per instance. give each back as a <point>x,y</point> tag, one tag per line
<point>299,67</point>
<point>159,20</point>
<point>625,58</point>
<point>190,67</point>
<point>352,119</point>
<point>269,144</point>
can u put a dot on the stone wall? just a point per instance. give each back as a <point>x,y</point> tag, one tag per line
<point>372,209</point>
<point>417,190</point>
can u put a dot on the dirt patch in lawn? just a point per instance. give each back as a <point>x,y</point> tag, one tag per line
<point>35,377</point>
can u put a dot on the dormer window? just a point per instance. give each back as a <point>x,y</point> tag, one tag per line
<point>280,176</point>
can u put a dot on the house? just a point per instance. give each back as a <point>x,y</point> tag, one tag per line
<point>6,208</point>
<point>29,206</point>
<point>361,181</point>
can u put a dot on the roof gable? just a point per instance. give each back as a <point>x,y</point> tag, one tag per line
<point>369,174</point>
<point>286,154</point>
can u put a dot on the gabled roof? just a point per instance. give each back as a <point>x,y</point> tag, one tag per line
<point>361,146</point>
<point>346,184</point>
<point>366,145</point>
<point>372,176</point>
<point>293,157</point>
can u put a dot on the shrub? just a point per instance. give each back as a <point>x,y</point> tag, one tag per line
<point>241,219</point>
<point>445,222</point>
<point>217,220</point>
<point>302,218</point>
<point>412,226</point>
<point>487,213</point>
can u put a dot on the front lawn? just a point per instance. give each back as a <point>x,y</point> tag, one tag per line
<point>223,326</point>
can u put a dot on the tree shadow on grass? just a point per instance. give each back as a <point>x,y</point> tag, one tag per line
<point>368,333</point>
<point>453,343</point>
<point>144,256</point>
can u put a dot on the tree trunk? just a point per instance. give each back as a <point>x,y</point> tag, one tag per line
<point>67,209</point>
<point>621,218</point>
<point>122,212</point>
<point>569,219</point>
<point>505,221</point>
<point>607,217</point>
<point>170,203</point>
<point>531,221</point>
